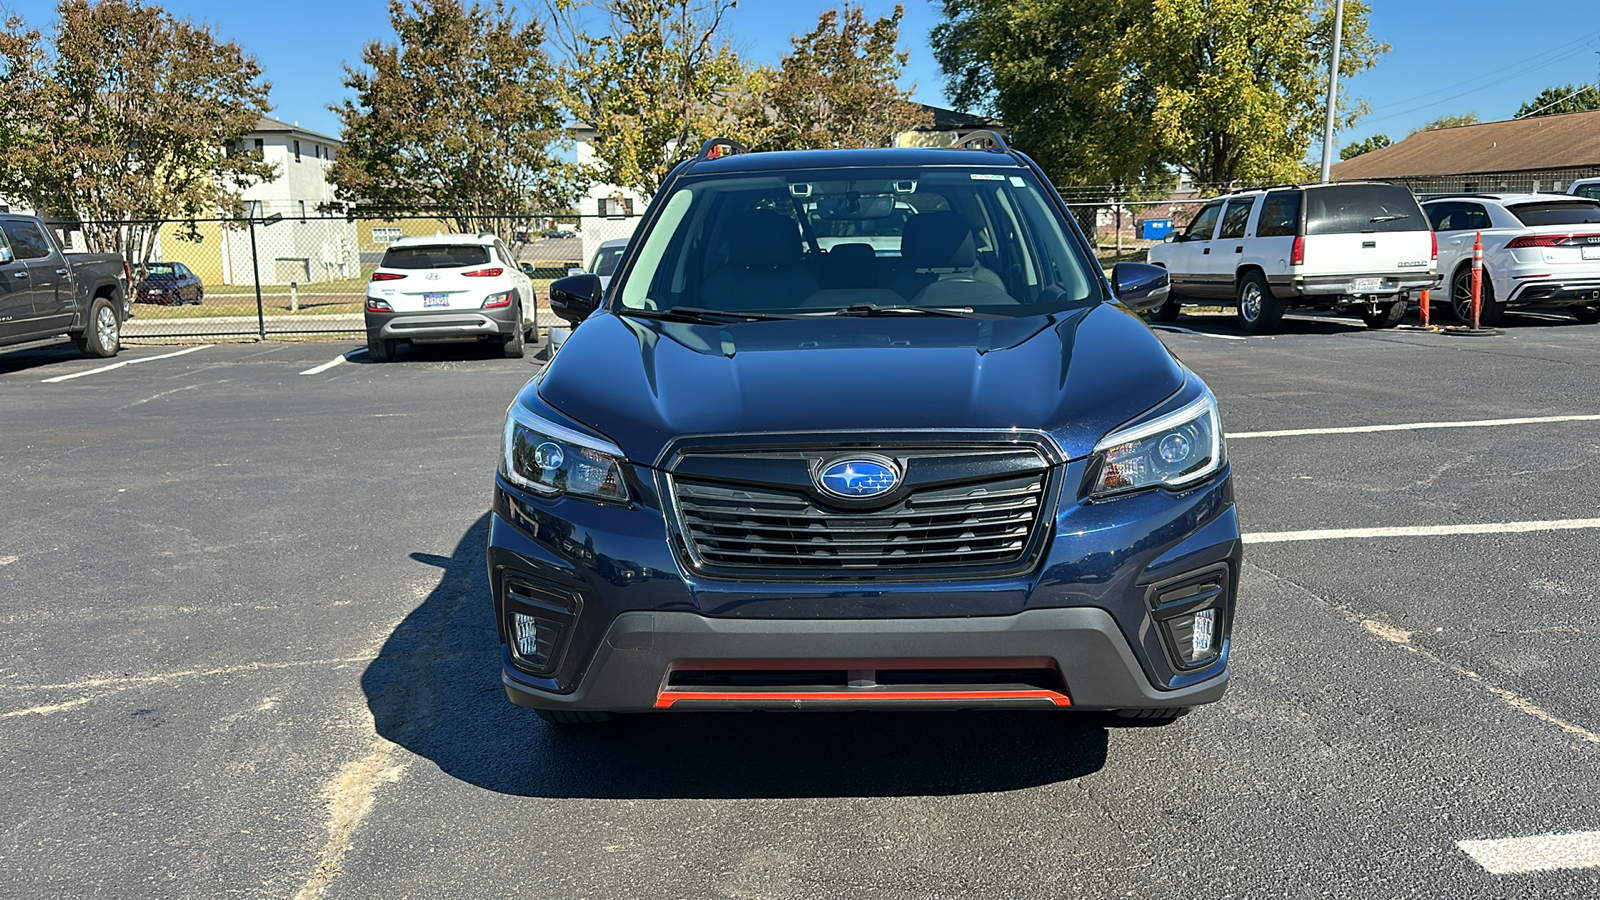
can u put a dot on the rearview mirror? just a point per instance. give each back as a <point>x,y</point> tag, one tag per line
<point>1139,286</point>
<point>573,298</point>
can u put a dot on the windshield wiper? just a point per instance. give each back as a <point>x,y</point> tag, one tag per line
<point>873,309</point>
<point>1377,219</point>
<point>703,315</point>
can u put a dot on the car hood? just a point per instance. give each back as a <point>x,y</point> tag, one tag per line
<point>645,382</point>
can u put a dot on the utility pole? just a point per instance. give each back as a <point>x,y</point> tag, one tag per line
<point>1333,90</point>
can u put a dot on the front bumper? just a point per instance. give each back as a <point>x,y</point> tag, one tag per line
<point>1090,613</point>
<point>443,324</point>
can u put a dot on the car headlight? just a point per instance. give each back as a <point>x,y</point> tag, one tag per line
<point>1179,448</point>
<point>549,459</point>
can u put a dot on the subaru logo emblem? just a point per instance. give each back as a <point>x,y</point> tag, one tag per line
<point>859,478</point>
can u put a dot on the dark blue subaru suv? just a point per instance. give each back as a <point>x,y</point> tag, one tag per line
<point>859,429</point>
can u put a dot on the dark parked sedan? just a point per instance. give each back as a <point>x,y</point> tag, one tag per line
<point>170,284</point>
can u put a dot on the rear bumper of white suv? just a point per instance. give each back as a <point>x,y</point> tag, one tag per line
<point>443,324</point>
<point>1330,286</point>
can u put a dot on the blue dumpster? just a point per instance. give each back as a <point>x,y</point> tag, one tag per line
<point>1155,229</point>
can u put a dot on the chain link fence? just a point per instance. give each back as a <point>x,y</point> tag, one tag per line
<point>283,275</point>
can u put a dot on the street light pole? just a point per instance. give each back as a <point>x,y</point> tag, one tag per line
<point>1333,90</point>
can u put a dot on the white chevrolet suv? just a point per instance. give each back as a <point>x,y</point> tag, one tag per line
<point>1358,248</point>
<point>449,287</point>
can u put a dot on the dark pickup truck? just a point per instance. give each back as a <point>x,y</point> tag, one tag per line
<point>46,292</point>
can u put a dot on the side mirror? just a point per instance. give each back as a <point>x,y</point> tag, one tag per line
<point>1139,286</point>
<point>6,254</point>
<point>573,298</point>
<point>1172,237</point>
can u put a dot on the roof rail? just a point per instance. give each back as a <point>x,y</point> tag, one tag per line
<point>718,147</point>
<point>982,139</point>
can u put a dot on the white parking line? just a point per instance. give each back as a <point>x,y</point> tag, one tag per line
<point>1220,337</point>
<point>126,362</point>
<point>1540,853</point>
<point>318,370</point>
<point>1334,534</point>
<point>1411,426</point>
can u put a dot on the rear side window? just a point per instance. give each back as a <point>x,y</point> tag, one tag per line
<point>1568,212</point>
<point>1236,217</point>
<point>1362,208</point>
<point>1459,217</point>
<point>606,259</point>
<point>1280,215</point>
<point>1592,191</point>
<point>1205,223</point>
<point>443,256</point>
<point>27,240</point>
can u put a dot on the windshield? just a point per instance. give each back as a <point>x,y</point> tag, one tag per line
<point>819,241</point>
<point>443,256</point>
<point>606,259</point>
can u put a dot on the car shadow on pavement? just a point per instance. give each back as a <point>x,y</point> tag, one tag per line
<point>434,689</point>
<point>43,353</point>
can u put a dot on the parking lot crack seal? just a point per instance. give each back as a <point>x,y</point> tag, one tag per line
<point>1402,639</point>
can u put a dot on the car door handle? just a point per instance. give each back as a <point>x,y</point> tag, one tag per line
<point>1369,245</point>
<point>61,271</point>
<point>1238,249</point>
<point>22,274</point>
<point>1206,252</point>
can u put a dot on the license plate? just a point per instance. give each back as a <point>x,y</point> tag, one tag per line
<point>1366,285</point>
<point>1591,252</point>
<point>432,300</point>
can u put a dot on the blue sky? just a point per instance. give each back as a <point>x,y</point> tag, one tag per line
<point>1449,57</point>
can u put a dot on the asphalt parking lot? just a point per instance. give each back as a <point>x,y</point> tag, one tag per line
<point>248,650</point>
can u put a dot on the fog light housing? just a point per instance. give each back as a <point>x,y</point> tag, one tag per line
<point>535,639</point>
<point>1192,614</point>
<point>1193,636</point>
<point>539,621</point>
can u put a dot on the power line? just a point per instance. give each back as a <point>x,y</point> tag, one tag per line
<point>1493,72</point>
<point>1531,112</point>
<point>1542,65</point>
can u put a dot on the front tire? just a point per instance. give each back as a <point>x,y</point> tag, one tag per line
<point>1489,312</point>
<point>381,351</point>
<point>1154,716</point>
<point>1259,311</point>
<point>1387,316</point>
<point>103,337</point>
<point>572,717</point>
<point>1588,315</point>
<point>1168,311</point>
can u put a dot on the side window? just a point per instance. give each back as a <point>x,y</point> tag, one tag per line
<point>1202,226</point>
<point>1280,215</point>
<point>183,271</point>
<point>1236,217</point>
<point>6,243</point>
<point>1475,216</point>
<point>27,241</point>
<point>1442,216</point>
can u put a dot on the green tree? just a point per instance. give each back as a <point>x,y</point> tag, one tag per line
<point>1356,148</point>
<point>837,88</point>
<point>1448,122</point>
<point>124,120</point>
<point>1566,98</point>
<point>1103,91</point>
<point>654,78</point>
<point>462,115</point>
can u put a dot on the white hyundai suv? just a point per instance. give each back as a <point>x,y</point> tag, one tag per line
<point>1539,251</point>
<point>1357,248</point>
<point>449,287</point>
